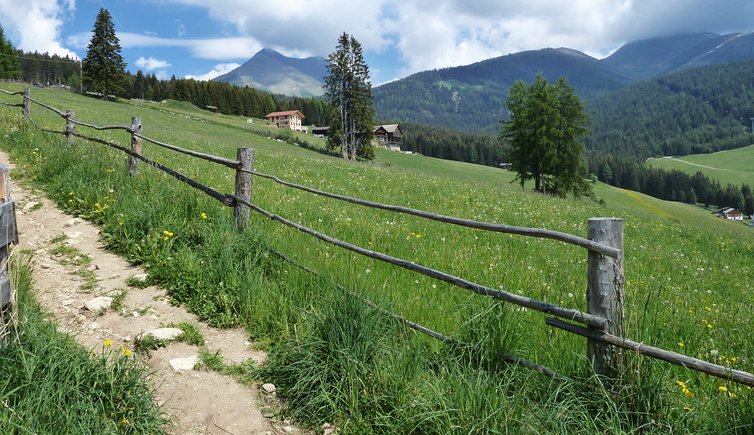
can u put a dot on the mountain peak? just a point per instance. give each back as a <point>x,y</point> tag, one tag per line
<point>271,71</point>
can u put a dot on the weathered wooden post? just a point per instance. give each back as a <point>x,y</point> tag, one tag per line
<point>8,235</point>
<point>133,162</point>
<point>70,127</point>
<point>27,101</point>
<point>604,294</point>
<point>243,186</point>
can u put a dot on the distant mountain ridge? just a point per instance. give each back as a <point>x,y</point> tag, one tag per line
<point>271,71</point>
<point>655,57</point>
<point>472,98</point>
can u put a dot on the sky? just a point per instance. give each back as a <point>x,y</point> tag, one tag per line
<point>206,38</point>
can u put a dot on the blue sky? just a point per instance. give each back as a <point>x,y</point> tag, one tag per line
<point>203,38</point>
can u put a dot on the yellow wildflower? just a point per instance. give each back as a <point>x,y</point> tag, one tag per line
<point>124,422</point>
<point>107,343</point>
<point>203,215</point>
<point>685,390</point>
<point>126,352</point>
<point>722,389</point>
<point>680,344</point>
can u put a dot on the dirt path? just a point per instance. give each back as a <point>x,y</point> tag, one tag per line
<point>198,402</point>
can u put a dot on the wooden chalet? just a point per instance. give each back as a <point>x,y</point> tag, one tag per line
<point>388,135</point>
<point>288,119</point>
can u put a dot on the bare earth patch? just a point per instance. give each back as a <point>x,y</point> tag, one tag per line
<point>197,401</point>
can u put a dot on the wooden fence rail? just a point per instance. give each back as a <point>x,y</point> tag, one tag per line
<point>605,295</point>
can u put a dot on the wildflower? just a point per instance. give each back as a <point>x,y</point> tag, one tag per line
<point>732,395</point>
<point>107,343</point>
<point>126,352</point>
<point>680,344</point>
<point>124,422</point>
<point>685,390</point>
<point>167,233</point>
<point>722,389</point>
<point>203,215</point>
<point>70,193</point>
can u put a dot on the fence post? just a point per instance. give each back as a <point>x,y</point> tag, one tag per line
<point>70,127</point>
<point>604,295</point>
<point>27,102</point>
<point>8,228</point>
<point>243,186</point>
<point>133,162</point>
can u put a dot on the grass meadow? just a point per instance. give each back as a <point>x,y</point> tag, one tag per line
<point>732,166</point>
<point>689,284</point>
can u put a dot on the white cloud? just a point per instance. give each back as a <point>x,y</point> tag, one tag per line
<point>218,70</point>
<point>36,24</point>
<point>151,63</point>
<point>214,49</point>
<point>440,33</point>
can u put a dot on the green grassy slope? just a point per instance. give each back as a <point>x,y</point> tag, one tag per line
<point>732,166</point>
<point>688,275</point>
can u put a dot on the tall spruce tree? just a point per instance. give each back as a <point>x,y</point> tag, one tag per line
<point>544,131</point>
<point>10,67</point>
<point>349,93</point>
<point>103,68</point>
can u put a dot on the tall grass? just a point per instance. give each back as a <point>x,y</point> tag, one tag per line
<point>688,287</point>
<point>50,384</point>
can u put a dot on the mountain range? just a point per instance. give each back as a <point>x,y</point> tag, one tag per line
<point>472,97</point>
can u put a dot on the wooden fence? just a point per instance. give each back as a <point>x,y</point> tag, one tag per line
<point>8,236</point>
<point>604,319</point>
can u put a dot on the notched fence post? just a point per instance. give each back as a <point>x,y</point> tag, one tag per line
<point>605,295</point>
<point>243,186</point>
<point>70,127</point>
<point>133,162</point>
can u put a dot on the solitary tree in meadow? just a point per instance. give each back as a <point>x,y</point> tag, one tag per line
<point>544,131</point>
<point>349,93</point>
<point>103,67</point>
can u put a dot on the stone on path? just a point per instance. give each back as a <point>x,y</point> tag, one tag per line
<point>30,205</point>
<point>184,364</point>
<point>99,304</point>
<point>269,388</point>
<point>163,334</point>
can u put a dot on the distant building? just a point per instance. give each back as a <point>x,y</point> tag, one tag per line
<point>389,136</point>
<point>320,132</point>
<point>289,119</point>
<point>729,213</point>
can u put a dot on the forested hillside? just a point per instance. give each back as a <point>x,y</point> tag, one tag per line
<point>472,98</point>
<point>698,110</point>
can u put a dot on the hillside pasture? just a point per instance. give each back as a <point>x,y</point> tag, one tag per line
<point>732,166</point>
<point>688,279</point>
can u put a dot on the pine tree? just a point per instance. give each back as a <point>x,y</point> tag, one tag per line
<point>10,67</point>
<point>543,132</point>
<point>349,93</point>
<point>104,68</point>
